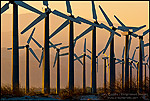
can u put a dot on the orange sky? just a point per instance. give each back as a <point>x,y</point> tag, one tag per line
<point>132,13</point>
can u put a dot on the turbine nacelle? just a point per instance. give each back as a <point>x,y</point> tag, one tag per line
<point>48,10</point>
<point>140,37</point>
<point>11,2</point>
<point>96,22</point>
<point>27,46</point>
<point>114,28</point>
<point>105,57</point>
<point>70,15</point>
<point>58,50</point>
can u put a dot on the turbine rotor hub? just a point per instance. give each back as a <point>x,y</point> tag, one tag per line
<point>140,37</point>
<point>27,46</point>
<point>96,22</point>
<point>71,16</point>
<point>48,10</point>
<point>129,33</point>
<point>114,28</point>
<point>57,49</point>
<point>11,1</point>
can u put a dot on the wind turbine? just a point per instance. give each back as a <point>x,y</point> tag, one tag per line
<point>78,58</point>
<point>127,46</point>
<point>42,55</point>
<point>105,58</point>
<point>15,40</point>
<point>70,20</point>
<point>137,67</point>
<point>27,60</point>
<point>145,45</point>
<point>130,63</point>
<point>46,63</point>
<point>141,58</point>
<point>93,29</point>
<point>83,70</point>
<point>146,65</point>
<point>111,42</point>
<point>57,58</point>
<point>96,56</point>
<point>46,71</point>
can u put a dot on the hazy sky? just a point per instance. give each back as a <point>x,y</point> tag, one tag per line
<point>132,13</point>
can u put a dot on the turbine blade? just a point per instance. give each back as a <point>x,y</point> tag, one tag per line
<point>129,46</point>
<point>63,54</point>
<point>59,29</point>
<point>30,36</point>
<point>144,33</point>
<point>100,52</point>
<point>119,60</point>
<point>55,59</point>
<point>134,65</point>
<point>34,54</point>
<point>68,7</point>
<point>139,28</point>
<point>87,22</point>
<point>41,17</point>
<point>123,52</point>
<point>9,48</point>
<point>4,8</point>
<point>24,5</point>
<point>55,45</point>
<point>145,56</point>
<point>119,21</point>
<point>110,30</point>
<point>133,60</point>
<point>147,44</point>
<point>41,58</point>
<point>78,59</point>
<point>84,46</point>
<point>45,3</point>
<point>135,35</point>
<point>36,43</point>
<point>133,54</point>
<point>131,65</point>
<point>89,50</point>
<point>84,33</point>
<point>124,29</point>
<point>52,44</point>
<point>64,47</point>
<point>21,47</point>
<point>74,43</point>
<point>106,17</point>
<point>94,11</point>
<point>110,38</point>
<point>65,16</point>
<point>88,57</point>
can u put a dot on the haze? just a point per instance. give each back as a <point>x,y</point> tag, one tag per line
<point>131,13</point>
